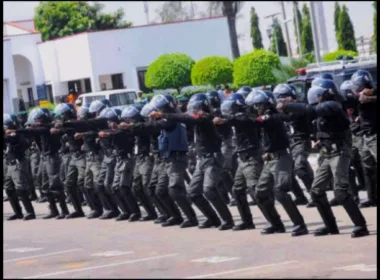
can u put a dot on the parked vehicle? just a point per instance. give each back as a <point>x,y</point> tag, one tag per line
<point>119,98</point>
<point>341,70</point>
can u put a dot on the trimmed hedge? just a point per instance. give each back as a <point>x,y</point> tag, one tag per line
<point>331,56</point>
<point>255,69</point>
<point>212,70</point>
<point>169,71</point>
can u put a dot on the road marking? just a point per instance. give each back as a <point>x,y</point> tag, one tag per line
<point>23,250</point>
<point>100,266</point>
<point>44,255</point>
<point>360,267</point>
<point>240,270</point>
<point>215,259</point>
<point>76,265</point>
<point>26,262</point>
<point>111,254</point>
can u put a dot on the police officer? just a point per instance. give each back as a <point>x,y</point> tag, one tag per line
<point>173,147</point>
<point>362,86</point>
<point>144,160</point>
<point>356,167</point>
<point>106,174</point>
<point>225,133</point>
<point>276,177</point>
<point>94,157</point>
<point>250,163</point>
<point>15,181</point>
<point>40,120</point>
<point>74,183</point>
<point>122,142</point>
<point>334,136</point>
<point>183,100</point>
<point>298,128</point>
<point>206,177</point>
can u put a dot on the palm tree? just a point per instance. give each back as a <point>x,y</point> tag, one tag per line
<point>230,10</point>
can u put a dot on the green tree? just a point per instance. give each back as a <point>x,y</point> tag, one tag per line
<point>336,18</point>
<point>346,34</point>
<point>299,26</point>
<point>172,11</point>
<point>257,41</point>
<point>375,27</point>
<point>277,40</point>
<point>255,69</point>
<point>212,70</point>
<point>306,33</point>
<point>169,71</point>
<point>56,19</point>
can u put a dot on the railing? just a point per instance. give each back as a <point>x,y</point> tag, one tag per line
<point>360,61</point>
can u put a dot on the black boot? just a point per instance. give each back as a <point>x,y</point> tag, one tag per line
<point>224,213</point>
<point>324,209</point>
<point>123,205</point>
<point>132,204</point>
<point>206,209</point>
<point>356,216</point>
<point>95,204</point>
<point>75,200</point>
<point>293,213</point>
<point>334,202</point>
<point>15,204</point>
<point>298,192</point>
<point>52,206</point>
<point>371,187</point>
<point>245,213</point>
<point>30,214</point>
<point>163,213</point>
<point>191,218</point>
<point>252,195</point>
<point>270,213</point>
<point>33,195</point>
<point>148,206</point>
<point>169,205</point>
<point>62,204</point>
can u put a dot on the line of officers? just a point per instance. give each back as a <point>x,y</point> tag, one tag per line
<point>143,155</point>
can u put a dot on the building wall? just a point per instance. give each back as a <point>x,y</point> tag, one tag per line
<point>124,50</point>
<point>11,30</point>
<point>9,79</point>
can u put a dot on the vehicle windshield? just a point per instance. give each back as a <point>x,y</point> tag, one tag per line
<point>89,99</point>
<point>123,98</point>
<point>301,89</point>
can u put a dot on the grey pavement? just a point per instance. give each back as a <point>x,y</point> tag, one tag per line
<point>83,248</point>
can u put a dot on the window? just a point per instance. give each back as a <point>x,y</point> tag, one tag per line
<point>124,98</point>
<point>87,85</point>
<point>49,93</point>
<point>141,79</point>
<point>74,86</point>
<point>30,97</point>
<point>89,99</point>
<point>117,81</point>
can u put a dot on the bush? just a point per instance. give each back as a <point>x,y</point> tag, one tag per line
<point>169,71</point>
<point>255,69</point>
<point>212,70</point>
<point>284,73</point>
<point>331,56</point>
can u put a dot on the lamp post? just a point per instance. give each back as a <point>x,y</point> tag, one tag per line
<point>315,33</point>
<point>289,49</point>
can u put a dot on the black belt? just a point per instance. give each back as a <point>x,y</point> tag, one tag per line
<point>277,154</point>
<point>245,155</point>
<point>210,155</point>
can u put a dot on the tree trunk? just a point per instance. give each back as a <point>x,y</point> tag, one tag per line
<point>233,36</point>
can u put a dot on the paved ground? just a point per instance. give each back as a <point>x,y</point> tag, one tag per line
<point>84,248</point>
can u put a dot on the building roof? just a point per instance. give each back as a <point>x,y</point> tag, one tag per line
<point>20,26</point>
<point>137,26</point>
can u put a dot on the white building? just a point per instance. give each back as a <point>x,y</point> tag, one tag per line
<point>94,61</point>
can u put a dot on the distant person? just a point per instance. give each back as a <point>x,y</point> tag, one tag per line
<point>220,93</point>
<point>71,97</point>
<point>21,105</point>
<point>227,91</point>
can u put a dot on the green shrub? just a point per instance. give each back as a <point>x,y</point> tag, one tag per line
<point>284,73</point>
<point>169,71</point>
<point>255,69</point>
<point>212,70</point>
<point>331,56</point>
